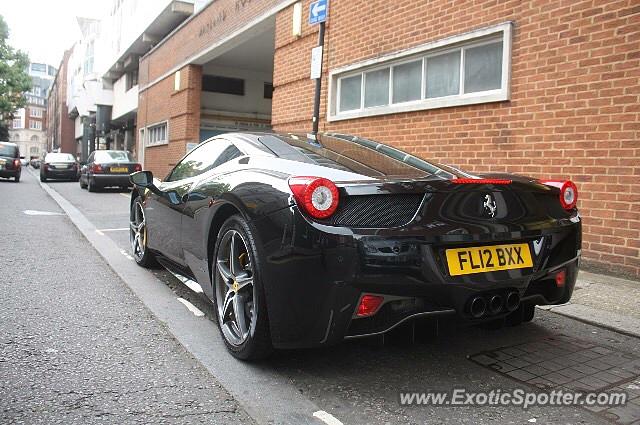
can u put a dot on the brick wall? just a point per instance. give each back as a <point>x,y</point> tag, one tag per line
<point>574,110</point>
<point>181,108</point>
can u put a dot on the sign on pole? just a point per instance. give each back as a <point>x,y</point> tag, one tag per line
<point>316,62</point>
<point>318,11</point>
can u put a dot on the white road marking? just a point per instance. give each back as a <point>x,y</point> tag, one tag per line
<point>125,195</point>
<point>99,232</point>
<point>121,229</point>
<point>36,212</point>
<point>327,418</point>
<point>192,308</point>
<point>194,286</point>
<point>126,254</point>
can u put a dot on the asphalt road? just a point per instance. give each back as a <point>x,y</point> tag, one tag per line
<point>357,382</point>
<point>76,346</point>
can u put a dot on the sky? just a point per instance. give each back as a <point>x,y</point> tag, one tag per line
<point>45,28</point>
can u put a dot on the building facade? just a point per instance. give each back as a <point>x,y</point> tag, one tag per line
<point>60,128</point>
<point>29,123</point>
<point>544,88</point>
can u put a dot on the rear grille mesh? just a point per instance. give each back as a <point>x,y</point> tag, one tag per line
<point>375,210</point>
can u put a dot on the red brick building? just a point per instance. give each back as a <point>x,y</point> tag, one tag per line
<point>60,128</point>
<point>549,89</point>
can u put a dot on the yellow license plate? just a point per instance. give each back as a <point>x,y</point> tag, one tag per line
<point>488,258</point>
<point>119,170</point>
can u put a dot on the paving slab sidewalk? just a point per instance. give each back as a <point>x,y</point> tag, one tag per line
<point>604,301</point>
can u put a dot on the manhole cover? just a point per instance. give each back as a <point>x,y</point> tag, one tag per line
<point>571,365</point>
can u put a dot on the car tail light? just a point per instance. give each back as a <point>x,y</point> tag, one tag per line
<point>45,167</point>
<point>481,181</point>
<point>96,168</point>
<point>16,163</point>
<point>369,305</point>
<point>137,167</point>
<point>561,278</point>
<point>316,195</point>
<point>568,192</point>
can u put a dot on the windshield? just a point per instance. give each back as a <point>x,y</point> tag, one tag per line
<point>8,150</point>
<point>111,156</point>
<point>63,157</point>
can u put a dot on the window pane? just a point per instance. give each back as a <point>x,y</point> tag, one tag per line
<point>407,82</point>
<point>376,88</point>
<point>483,68</point>
<point>443,75</point>
<point>350,89</point>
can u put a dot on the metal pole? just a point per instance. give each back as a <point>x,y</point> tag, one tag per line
<point>316,100</point>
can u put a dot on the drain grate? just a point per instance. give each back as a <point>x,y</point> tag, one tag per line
<point>569,364</point>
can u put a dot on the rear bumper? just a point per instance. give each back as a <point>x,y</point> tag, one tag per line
<point>61,174</point>
<point>10,173</point>
<point>106,180</point>
<point>315,275</point>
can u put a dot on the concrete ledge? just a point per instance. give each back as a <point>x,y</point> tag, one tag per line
<point>604,319</point>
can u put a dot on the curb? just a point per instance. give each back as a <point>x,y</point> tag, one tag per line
<point>600,318</point>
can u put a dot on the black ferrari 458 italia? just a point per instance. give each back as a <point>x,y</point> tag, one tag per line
<point>301,242</point>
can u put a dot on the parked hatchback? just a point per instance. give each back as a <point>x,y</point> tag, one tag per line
<point>107,168</point>
<point>62,166</point>
<point>10,166</point>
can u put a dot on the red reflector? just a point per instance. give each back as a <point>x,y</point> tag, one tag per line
<point>16,163</point>
<point>561,277</point>
<point>137,167</point>
<point>369,305</point>
<point>481,181</point>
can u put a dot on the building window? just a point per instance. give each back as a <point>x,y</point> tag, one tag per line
<point>35,139</point>
<point>225,85</point>
<point>88,58</point>
<point>33,151</point>
<point>268,90</point>
<point>35,112</point>
<point>17,123</point>
<point>157,135</point>
<point>461,70</point>
<point>35,125</point>
<point>132,79</point>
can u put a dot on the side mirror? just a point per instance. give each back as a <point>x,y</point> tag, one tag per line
<point>142,178</point>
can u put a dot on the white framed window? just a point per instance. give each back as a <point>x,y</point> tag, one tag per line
<point>17,123</point>
<point>157,134</point>
<point>35,112</point>
<point>35,125</point>
<point>466,69</point>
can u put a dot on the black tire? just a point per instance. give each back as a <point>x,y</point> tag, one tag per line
<point>257,344</point>
<point>93,187</point>
<point>43,178</point>
<point>82,185</point>
<point>524,313</point>
<point>17,178</point>
<point>144,258</point>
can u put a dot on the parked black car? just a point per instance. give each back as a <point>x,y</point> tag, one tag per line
<point>10,166</point>
<point>59,166</point>
<point>304,242</point>
<point>108,168</point>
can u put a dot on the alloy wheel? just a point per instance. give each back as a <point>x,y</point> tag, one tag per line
<point>138,231</point>
<point>235,289</point>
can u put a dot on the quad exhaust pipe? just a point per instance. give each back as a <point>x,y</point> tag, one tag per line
<point>478,307</point>
<point>494,304</point>
<point>513,301</point>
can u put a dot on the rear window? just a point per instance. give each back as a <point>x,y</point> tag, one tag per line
<point>111,156</point>
<point>8,150</point>
<point>53,157</point>
<point>354,154</point>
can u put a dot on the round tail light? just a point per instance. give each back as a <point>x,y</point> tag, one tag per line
<point>315,195</point>
<point>568,192</point>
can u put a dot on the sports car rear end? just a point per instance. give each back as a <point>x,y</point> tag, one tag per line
<point>416,241</point>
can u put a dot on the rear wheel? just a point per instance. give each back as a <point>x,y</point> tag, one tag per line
<point>82,184</point>
<point>43,178</point>
<point>17,178</point>
<point>138,235</point>
<point>524,313</point>
<point>238,291</point>
<point>92,186</point>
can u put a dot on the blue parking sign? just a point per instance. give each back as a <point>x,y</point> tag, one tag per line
<point>318,11</point>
